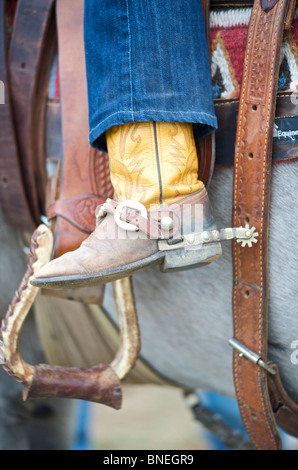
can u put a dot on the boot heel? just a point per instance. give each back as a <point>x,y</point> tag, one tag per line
<point>182,258</point>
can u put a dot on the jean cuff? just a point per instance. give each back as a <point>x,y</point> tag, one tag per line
<point>203,123</point>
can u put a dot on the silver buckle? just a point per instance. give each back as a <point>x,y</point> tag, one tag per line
<point>130,205</point>
<point>250,355</point>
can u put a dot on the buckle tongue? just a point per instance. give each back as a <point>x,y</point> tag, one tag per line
<point>251,355</point>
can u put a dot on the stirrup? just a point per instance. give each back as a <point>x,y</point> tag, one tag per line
<point>101,383</point>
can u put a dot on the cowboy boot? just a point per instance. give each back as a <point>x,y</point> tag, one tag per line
<point>158,216</point>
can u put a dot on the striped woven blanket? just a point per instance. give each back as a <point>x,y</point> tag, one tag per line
<point>228,33</point>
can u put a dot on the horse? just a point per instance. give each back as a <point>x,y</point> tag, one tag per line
<point>185,320</point>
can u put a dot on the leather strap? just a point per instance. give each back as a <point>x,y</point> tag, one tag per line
<point>82,167</point>
<point>13,199</point>
<point>30,55</point>
<point>284,408</point>
<point>150,223</point>
<point>206,147</point>
<point>226,112</point>
<point>73,210</point>
<point>252,169</point>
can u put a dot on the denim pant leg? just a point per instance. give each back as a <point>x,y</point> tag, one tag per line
<point>147,60</point>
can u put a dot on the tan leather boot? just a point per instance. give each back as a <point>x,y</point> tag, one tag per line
<point>160,214</point>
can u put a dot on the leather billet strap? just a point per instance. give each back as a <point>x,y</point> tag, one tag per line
<point>206,148</point>
<point>83,169</point>
<point>31,51</point>
<point>226,113</point>
<point>252,170</point>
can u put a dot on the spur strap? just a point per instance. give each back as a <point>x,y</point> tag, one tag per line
<point>252,170</point>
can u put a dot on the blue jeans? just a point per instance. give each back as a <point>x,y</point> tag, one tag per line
<point>147,60</point>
